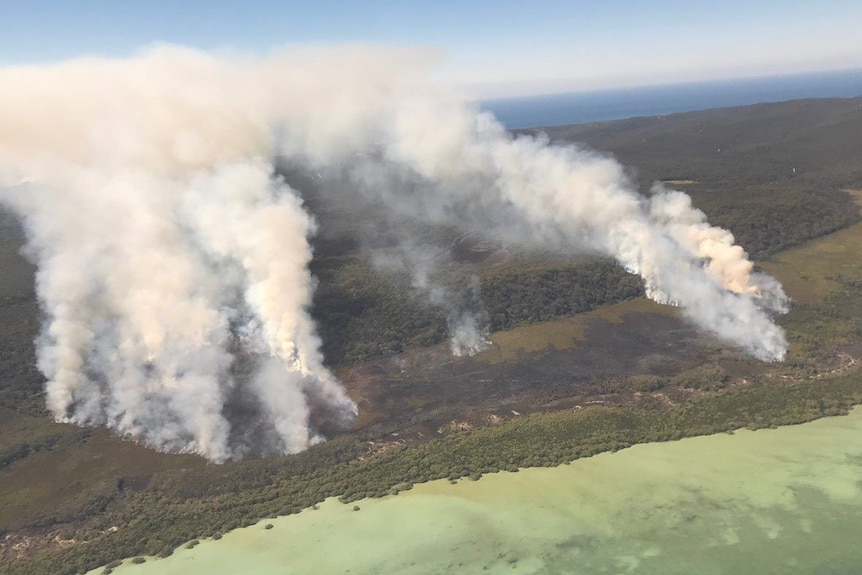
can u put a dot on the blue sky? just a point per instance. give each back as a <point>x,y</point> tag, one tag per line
<point>492,48</point>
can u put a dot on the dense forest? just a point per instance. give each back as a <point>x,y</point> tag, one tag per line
<point>773,174</point>
<point>584,361</point>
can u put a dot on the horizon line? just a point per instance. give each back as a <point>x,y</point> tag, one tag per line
<point>665,84</point>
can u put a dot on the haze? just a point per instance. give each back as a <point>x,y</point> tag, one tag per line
<point>490,49</point>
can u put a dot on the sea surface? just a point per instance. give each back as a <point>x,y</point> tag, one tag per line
<point>782,501</point>
<point>598,106</point>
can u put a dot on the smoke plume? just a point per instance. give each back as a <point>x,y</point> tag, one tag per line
<point>173,262</point>
<point>466,318</point>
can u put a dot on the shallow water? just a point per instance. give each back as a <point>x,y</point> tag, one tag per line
<point>787,500</point>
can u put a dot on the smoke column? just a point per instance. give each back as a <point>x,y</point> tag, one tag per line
<point>466,317</point>
<point>169,253</point>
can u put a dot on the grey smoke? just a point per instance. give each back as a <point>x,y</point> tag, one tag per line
<point>173,263</point>
<point>469,324</point>
<point>466,318</point>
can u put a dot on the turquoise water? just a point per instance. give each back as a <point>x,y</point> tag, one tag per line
<point>778,501</point>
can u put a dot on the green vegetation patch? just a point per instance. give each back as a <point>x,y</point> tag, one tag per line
<point>560,334</point>
<point>811,272</point>
<point>774,175</point>
<point>161,518</point>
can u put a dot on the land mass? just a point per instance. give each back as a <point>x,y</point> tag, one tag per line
<point>579,363</point>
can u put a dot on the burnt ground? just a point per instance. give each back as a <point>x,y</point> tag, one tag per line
<point>777,182</point>
<point>418,393</point>
<point>526,369</point>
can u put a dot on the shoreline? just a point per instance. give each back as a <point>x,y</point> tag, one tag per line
<point>486,494</point>
<point>170,500</point>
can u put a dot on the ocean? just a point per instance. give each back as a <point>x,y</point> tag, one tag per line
<point>603,105</point>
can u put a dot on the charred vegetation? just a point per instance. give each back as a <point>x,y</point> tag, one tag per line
<point>579,362</point>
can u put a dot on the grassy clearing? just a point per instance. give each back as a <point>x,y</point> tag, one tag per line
<point>69,479</point>
<point>565,333</point>
<point>810,273</point>
<point>823,278</point>
<point>679,182</point>
<point>813,271</point>
<point>80,471</point>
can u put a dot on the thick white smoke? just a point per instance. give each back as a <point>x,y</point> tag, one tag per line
<point>170,256</point>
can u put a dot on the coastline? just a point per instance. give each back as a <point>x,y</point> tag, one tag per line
<point>563,508</point>
<point>180,506</point>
